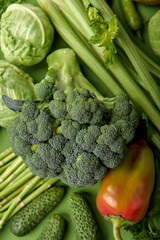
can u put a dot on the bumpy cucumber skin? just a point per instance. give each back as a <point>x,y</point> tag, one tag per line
<point>27,218</point>
<point>54,228</point>
<point>84,223</point>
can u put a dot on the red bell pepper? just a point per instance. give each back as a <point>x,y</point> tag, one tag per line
<point>124,193</point>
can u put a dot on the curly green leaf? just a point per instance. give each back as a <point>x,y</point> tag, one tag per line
<point>105,34</point>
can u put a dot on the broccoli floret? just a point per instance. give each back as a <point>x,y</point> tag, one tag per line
<point>58,109</point>
<point>108,158</point>
<point>58,142</point>
<point>118,146</point>
<point>29,111</point>
<point>46,88</point>
<point>121,105</point>
<point>70,128</point>
<point>126,130</point>
<point>45,127</point>
<point>84,107</point>
<point>87,137</point>
<point>19,146</point>
<point>108,135</point>
<point>51,157</point>
<point>87,162</point>
<point>59,95</point>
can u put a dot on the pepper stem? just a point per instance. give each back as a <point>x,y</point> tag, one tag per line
<point>117,223</point>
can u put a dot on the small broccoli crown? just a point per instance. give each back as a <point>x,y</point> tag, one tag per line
<point>58,109</point>
<point>58,142</point>
<point>109,133</point>
<point>29,111</point>
<point>84,107</point>
<point>45,127</point>
<point>118,146</point>
<point>87,137</point>
<point>121,105</point>
<point>126,130</point>
<point>19,146</point>
<point>51,157</point>
<point>87,162</point>
<point>71,151</point>
<point>32,126</point>
<point>46,88</point>
<point>70,128</point>
<point>108,158</point>
<point>59,95</point>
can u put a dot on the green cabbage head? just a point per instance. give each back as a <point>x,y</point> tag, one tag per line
<point>154,32</point>
<point>15,84</point>
<point>26,34</point>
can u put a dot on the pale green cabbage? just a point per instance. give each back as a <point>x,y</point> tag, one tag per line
<point>15,84</point>
<point>154,32</point>
<point>26,34</point>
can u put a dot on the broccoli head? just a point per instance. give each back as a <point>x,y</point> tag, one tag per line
<point>72,132</point>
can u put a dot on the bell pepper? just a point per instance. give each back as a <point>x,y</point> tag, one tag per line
<point>124,193</point>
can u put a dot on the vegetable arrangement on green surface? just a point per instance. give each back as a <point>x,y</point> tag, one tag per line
<point>67,129</point>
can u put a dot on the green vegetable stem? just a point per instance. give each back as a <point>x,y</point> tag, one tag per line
<point>131,15</point>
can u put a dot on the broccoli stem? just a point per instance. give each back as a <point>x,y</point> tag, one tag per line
<point>12,176</point>
<point>65,30</point>
<point>128,46</point>
<point>69,77</point>
<point>10,169</point>
<point>79,46</point>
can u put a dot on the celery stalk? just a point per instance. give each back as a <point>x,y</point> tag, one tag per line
<point>131,51</point>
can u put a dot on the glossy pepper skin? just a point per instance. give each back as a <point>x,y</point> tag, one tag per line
<point>124,193</point>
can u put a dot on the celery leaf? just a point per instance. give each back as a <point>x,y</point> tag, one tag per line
<point>105,33</point>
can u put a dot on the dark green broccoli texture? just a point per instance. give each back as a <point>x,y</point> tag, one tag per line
<point>72,133</point>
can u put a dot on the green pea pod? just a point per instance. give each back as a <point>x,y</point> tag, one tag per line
<point>131,15</point>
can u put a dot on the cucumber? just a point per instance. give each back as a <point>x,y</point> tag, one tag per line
<point>27,218</point>
<point>83,220</point>
<point>54,228</point>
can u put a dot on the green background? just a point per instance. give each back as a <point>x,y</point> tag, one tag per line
<point>38,72</point>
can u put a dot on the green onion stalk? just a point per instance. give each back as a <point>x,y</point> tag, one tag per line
<point>18,186</point>
<point>71,21</point>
